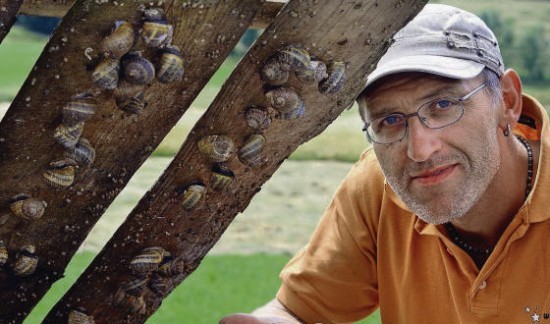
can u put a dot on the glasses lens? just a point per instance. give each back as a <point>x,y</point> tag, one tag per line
<point>387,129</point>
<point>441,112</point>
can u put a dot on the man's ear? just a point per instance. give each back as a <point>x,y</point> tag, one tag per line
<point>510,84</point>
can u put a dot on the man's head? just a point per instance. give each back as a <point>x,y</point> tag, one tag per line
<point>437,101</point>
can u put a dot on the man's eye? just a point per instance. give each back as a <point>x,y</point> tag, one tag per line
<point>391,120</point>
<point>443,104</point>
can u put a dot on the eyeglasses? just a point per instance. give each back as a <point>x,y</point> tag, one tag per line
<point>436,114</point>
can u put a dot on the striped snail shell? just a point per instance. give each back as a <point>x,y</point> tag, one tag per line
<point>78,111</point>
<point>137,69</point>
<point>193,196</point>
<point>274,72</point>
<point>335,80</point>
<point>130,303</point>
<point>314,72</point>
<point>219,148</point>
<point>250,152</point>
<point>171,65</point>
<point>134,105</point>
<point>287,101</point>
<point>27,207</point>
<point>172,268</point>
<point>156,31</point>
<point>105,75</point>
<point>161,286</point>
<point>258,118</point>
<point>68,136</point>
<point>79,316</point>
<point>125,89</point>
<point>135,287</point>
<point>25,262</point>
<point>83,153</point>
<point>222,177</point>
<point>120,41</point>
<point>3,253</point>
<point>297,58</point>
<point>146,261</point>
<point>60,173</point>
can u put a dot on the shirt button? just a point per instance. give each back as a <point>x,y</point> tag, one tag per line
<point>449,251</point>
<point>483,285</point>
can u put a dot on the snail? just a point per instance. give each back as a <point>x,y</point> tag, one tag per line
<point>79,316</point>
<point>259,118</point>
<point>78,111</point>
<point>287,101</point>
<point>3,253</point>
<point>25,261</point>
<point>105,75</point>
<point>125,89</point>
<point>60,173</point>
<point>222,177</point>
<point>172,268</point>
<point>335,80</point>
<point>135,287</point>
<point>297,58</point>
<point>314,72</point>
<point>171,65</point>
<point>219,148</point>
<point>156,31</point>
<point>68,136</point>
<point>134,105</point>
<point>161,286</point>
<point>137,69</point>
<point>274,72</point>
<point>193,195</point>
<point>132,304</point>
<point>27,207</point>
<point>147,261</point>
<point>120,41</point>
<point>83,153</point>
<point>250,152</point>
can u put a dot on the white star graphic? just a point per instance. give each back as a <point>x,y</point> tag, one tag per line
<point>535,317</point>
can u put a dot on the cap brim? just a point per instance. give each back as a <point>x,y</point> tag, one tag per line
<point>444,66</point>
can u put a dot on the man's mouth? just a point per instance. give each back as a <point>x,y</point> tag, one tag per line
<point>434,176</point>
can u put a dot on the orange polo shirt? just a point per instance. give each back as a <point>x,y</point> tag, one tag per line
<point>370,251</point>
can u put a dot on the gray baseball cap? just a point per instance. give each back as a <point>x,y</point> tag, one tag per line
<point>441,40</point>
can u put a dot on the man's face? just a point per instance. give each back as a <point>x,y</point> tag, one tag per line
<point>438,173</point>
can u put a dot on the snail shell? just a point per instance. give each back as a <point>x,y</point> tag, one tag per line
<point>135,287</point>
<point>153,14</point>
<point>274,72</point>
<point>120,41</point>
<point>134,105</point>
<point>172,268</point>
<point>68,136</point>
<point>146,261</point>
<point>193,195</point>
<point>60,173</point>
<point>125,90</point>
<point>171,65</point>
<point>219,148</point>
<point>222,177</point>
<point>335,80</point>
<point>258,118</point>
<point>161,286</point>
<point>27,207</point>
<point>77,111</point>
<point>3,253</point>
<point>26,261</point>
<point>137,69</point>
<point>250,152</point>
<point>79,316</point>
<point>297,58</point>
<point>132,304</point>
<point>83,153</point>
<point>105,75</point>
<point>157,33</point>
<point>287,101</point>
<point>314,72</point>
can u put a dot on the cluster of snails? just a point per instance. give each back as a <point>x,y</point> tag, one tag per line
<point>126,71</point>
<point>152,268</point>
<point>25,260</point>
<point>80,316</point>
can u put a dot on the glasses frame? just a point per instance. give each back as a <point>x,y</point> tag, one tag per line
<point>422,120</point>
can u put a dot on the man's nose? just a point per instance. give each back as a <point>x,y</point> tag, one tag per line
<point>422,141</point>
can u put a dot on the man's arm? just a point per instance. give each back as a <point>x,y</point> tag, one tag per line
<point>271,313</point>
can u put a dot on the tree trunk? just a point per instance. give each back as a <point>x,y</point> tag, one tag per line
<point>125,282</point>
<point>8,10</point>
<point>122,141</point>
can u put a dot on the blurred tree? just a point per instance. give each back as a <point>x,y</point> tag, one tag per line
<point>504,30</point>
<point>535,53</point>
<point>41,25</point>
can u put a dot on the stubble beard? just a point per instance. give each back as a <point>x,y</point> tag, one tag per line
<point>442,204</point>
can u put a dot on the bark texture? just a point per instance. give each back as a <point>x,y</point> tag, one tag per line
<point>354,32</point>
<point>8,11</point>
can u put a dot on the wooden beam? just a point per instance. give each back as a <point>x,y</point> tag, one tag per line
<point>8,10</point>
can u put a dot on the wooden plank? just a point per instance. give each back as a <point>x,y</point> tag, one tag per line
<point>354,32</point>
<point>8,10</point>
<point>122,140</point>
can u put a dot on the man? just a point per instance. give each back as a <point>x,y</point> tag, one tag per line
<point>444,219</point>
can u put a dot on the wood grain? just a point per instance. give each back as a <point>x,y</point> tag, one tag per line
<point>8,11</point>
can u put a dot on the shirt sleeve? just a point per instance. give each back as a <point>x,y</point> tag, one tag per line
<point>334,278</point>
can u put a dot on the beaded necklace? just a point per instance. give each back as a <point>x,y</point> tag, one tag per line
<point>484,252</point>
